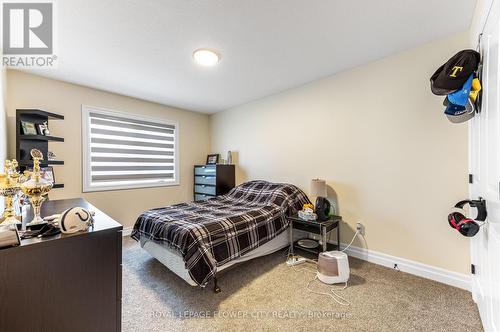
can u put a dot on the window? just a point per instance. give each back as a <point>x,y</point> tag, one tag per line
<point>123,151</point>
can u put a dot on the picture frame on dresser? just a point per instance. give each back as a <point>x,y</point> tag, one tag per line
<point>213,159</point>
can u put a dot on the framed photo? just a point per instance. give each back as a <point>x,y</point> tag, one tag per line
<point>212,159</point>
<point>28,128</point>
<point>46,173</point>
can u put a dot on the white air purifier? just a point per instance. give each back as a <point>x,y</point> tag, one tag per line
<point>333,267</point>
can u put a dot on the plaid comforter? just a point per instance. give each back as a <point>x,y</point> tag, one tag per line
<point>211,233</point>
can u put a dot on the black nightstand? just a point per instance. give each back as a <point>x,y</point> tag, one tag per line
<point>316,227</point>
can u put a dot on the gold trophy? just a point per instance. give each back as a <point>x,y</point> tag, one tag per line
<point>36,188</point>
<point>10,186</point>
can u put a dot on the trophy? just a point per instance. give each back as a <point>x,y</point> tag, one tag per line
<point>10,186</point>
<point>36,188</point>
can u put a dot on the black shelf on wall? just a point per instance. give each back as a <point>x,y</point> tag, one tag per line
<point>42,138</point>
<point>24,143</point>
<point>29,163</point>
<point>39,113</point>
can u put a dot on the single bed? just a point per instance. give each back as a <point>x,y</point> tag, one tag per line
<point>199,239</point>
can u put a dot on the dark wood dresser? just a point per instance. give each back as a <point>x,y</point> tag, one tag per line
<point>212,180</point>
<point>65,282</point>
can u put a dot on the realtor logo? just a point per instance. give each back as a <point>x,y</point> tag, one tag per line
<point>28,29</point>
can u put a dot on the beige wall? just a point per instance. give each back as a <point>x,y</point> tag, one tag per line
<point>478,20</point>
<point>379,138</point>
<point>29,91</point>
<point>375,133</point>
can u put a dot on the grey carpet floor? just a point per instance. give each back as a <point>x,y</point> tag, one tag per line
<point>266,295</point>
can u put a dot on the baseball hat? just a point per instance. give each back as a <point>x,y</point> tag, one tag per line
<point>458,113</point>
<point>475,88</point>
<point>455,72</point>
<point>461,96</point>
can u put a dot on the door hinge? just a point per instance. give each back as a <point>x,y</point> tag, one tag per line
<point>470,178</point>
<point>472,269</point>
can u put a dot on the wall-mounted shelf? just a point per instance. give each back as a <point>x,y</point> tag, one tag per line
<point>41,138</point>
<point>40,113</point>
<point>29,163</point>
<point>24,143</point>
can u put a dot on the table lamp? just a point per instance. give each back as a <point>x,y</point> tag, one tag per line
<point>318,192</point>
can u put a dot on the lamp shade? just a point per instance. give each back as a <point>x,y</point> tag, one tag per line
<point>318,188</point>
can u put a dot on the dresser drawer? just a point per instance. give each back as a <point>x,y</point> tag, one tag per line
<point>205,170</point>
<point>204,189</point>
<point>213,180</point>
<point>202,197</point>
<point>204,179</point>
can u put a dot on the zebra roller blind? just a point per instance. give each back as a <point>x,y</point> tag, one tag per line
<point>125,151</point>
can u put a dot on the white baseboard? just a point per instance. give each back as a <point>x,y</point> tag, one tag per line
<point>405,265</point>
<point>127,231</point>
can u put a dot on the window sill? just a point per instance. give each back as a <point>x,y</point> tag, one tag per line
<point>129,187</point>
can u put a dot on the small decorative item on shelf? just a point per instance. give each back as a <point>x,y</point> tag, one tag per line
<point>28,128</point>
<point>43,129</point>
<point>36,188</point>
<point>212,159</point>
<point>51,155</point>
<point>40,129</point>
<point>229,158</point>
<point>10,187</point>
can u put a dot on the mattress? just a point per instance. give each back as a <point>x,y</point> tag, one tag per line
<point>174,262</point>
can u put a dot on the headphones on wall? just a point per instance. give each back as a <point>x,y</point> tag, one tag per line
<point>467,226</point>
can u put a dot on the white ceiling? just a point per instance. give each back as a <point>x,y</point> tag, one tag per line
<point>143,48</point>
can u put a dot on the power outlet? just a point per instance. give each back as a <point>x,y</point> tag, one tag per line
<point>360,228</point>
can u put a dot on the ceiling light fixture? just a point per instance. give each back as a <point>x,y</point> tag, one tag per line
<point>205,57</point>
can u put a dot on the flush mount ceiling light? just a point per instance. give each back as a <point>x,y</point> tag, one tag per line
<point>205,57</point>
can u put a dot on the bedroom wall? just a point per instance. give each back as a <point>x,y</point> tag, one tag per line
<point>478,20</point>
<point>379,138</point>
<point>30,91</point>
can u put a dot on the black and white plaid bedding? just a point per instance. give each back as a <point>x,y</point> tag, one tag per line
<point>211,233</point>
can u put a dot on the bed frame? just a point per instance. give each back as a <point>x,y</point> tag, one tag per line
<point>174,262</point>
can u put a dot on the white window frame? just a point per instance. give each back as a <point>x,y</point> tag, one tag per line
<point>86,155</point>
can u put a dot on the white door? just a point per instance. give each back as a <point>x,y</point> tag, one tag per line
<point>485,169</point>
